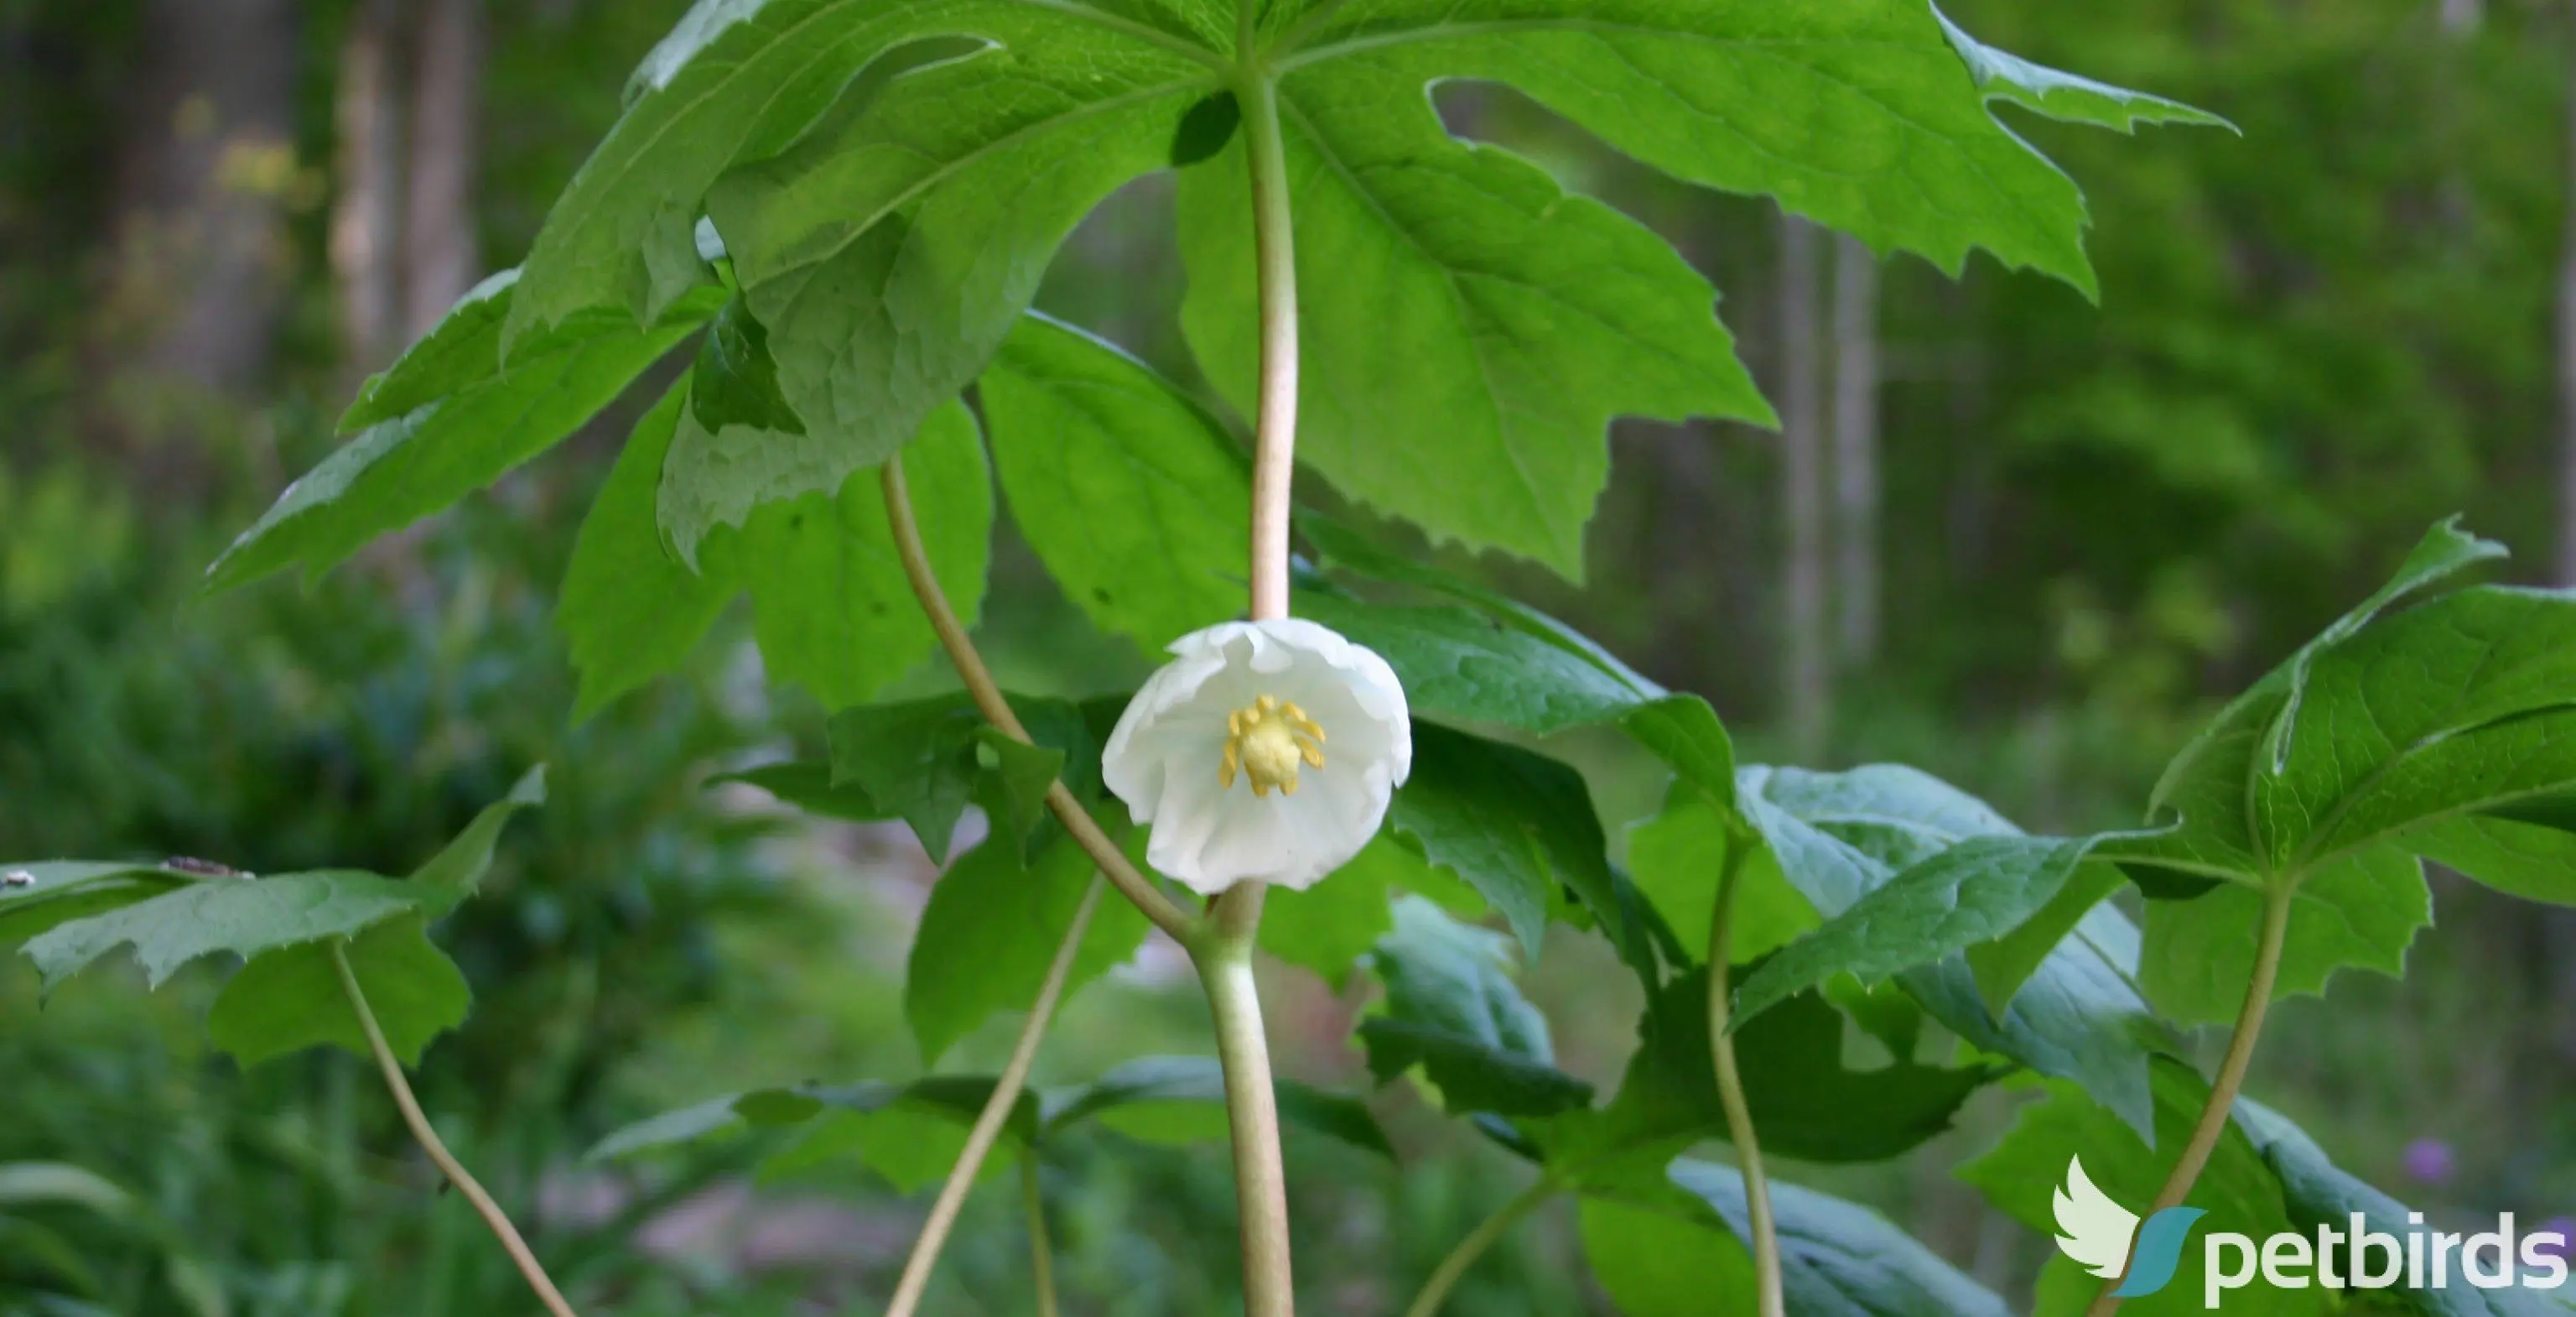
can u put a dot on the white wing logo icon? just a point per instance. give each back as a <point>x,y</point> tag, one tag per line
<point>2092,1229</point>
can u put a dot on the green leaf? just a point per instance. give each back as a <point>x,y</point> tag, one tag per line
<point>1453,291</point>
<point>1855,116</point>
<point>990,931</point>
<point>1835,837</point>
<point>832,609</point>
<point>914,759</point>
<point>759,1108</point>
<point>2531,861</point>
<point>2004,964</point>
<point>43,895</point>
<point>1328,927</point>
<point>1452,1009</point>
<point>1805,1103</point>
<point>465,421</point>
<point>1974,892</point>
<point>2065,96</point>
<point>1153,1097</point>
<point>2360,913</point>
<point>1515,825</point>
<point>2447,728</point>
<point>457,871</point>
<point>1500,661</point>
<point>890,252</point>
<point>291,998</point>
<point>243,916</point>
<point>1676,859</point>
<point>1013,780</point>
<point>2207,791</point>
<point>918,761</point>
<point>735,381</point>
<point>630,611</point>
<point>911,1135</point>
<point>831,606</point>
<point>2023,1173</point>
<point>1837,1259</point>
<point>2317,1194</point>
<point>1134,498</point>
<point>288,996</point>
<point>1658,1264</point>
<point>809,787</point>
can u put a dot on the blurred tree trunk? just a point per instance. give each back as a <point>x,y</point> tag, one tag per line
<point>203,259</point>
<point>440,245</point>
<point>1856,532</point>
<point>1805,690</point>
<point>365,217</point>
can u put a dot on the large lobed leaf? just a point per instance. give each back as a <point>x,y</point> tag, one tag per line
<point>449,418</point>
<point>1839,838</point>
<point>288,995</point>
<point>891,181</point>
<point>2442,727</point>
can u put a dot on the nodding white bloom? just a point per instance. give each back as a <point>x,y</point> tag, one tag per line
<point>1264,751</point>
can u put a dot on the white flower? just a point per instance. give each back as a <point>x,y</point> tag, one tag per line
<point>1264,751</point>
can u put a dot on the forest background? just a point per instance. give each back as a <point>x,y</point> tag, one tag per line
<point>2001,534</point>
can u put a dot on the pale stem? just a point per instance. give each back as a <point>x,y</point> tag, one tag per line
<point>466,1184</point>
<point>1252,1106</point>
<point>1765,1243</point>
<point>1041,1252</point>
<point>1274,458</point>
<point>2231,1073</point>
<point>988,699</point>
<point>989,1123</point>
<point>1478,1242</point>
<point>1224,958</point>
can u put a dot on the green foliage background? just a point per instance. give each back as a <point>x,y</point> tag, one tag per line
<point>2313,341</point>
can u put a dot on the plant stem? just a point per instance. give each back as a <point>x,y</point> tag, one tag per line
<point>2231,1072</point>
<point>989,1122</point>
<point>1224,955</point>
<point>1224,963</point>
<point>1041,1252</point>
<point>1274,458</point>
<point>455,1171</point>
<point>1113,862</point>
<point>1435,1291</point>
<point>1765,1243</point>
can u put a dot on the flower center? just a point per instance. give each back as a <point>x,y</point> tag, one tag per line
<point>1265,741</point>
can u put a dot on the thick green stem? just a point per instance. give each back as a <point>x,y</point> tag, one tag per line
<point>1041,1250</point>
<point>1765,1243</point>
<point>996,1114</point>
<point>1224,961</point>
<point>988,699</point>
<point>466,1184</point>
<point>2231,1072</point>
<point>1478,1242</point>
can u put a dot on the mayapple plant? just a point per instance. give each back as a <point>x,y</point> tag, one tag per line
<point>848,206</point>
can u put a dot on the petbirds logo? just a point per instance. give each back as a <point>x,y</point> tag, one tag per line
<point>2097,1232</point>
<point>2104,1237</point>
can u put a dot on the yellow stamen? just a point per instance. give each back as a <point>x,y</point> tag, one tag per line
<point>1266,740</point>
